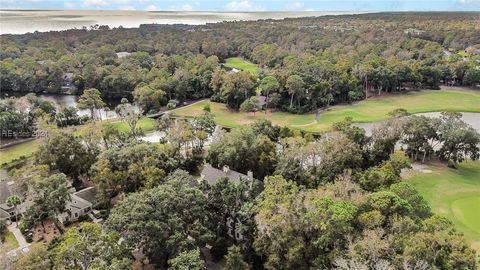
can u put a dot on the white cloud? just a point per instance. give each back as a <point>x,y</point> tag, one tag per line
<point>127,7</point>
<point>124,2</point>
<point>70,5</point>
<point>152,8</point>
<point>294,6</point>
<point>95,3</point>
<point>186,7</point>
<point>244,5</point>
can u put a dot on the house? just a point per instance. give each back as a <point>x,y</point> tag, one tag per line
<point>213,175</point>
<point>81,203</point>
<point>7,212</point>
<point>261,102</point>
<point>67,84</point>
<point>122,54</point>
<point>413,31</point>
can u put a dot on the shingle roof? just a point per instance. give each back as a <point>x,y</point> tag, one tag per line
<point>4,192</point>
<point>212,175</point>
<point>77,202</point>
<point>4,214</point>
<point>89,194</point>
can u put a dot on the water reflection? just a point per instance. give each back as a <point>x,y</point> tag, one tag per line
<point>63,101</point>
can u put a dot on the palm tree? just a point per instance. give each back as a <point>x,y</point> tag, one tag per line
<point>14,201</point>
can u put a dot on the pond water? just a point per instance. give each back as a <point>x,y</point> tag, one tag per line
<point>473,119</point>
<point>63,101</point>
<point>156,136</point>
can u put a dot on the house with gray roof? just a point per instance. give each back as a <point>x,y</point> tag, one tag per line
<point>5,211</point>
<point>212,175</point>
<point>81,203</point>
<point>6,190</point>
<point>67,84</point>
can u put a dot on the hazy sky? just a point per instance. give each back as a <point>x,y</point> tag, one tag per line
<point>249,5</point>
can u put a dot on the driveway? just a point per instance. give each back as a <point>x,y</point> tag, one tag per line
<point>18,235</point>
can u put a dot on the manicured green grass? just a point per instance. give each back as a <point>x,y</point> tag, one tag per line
<point>242,64</point>
<point>371,110</point>
<point>455,194</point>
<point>10,240</point>
<point>26,149</point>
<point>146,124</point>
<point>13,152</point>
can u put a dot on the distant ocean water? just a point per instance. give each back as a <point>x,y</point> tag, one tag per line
<point>24,21</point>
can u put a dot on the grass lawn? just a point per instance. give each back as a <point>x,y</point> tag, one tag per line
<point>10,240</point>
<point>370,110</point>
<point>242,64</point>
<point>454,194</point>
<point>146,124</point>
<point>26,149</point>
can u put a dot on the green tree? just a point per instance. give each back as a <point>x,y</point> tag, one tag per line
<point>49,201</point>
<point>130,115</point>
<point>459,140</point>
<point>130,168</point>
<point>148,98</point>
<point>14,201</point>
<point>407,192</point>
<point>91,99</point>
<point>66,152</point>
<point>437,243</point>
<point>295,87</point>
<point>236,88</point>
<point>269,85</point>
<point>234,259</point>
<point>36,258</point>
<point>248,106</point>
<point>242,150</point>
<point>225,200</point>
<point>175,209</point>
<point>88,246</point>
<point>420,136</point>
<point>187,260</point>
<point>472,77</point>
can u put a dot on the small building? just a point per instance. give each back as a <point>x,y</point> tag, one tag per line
<point>123,54</point>
<point>7,212</point>
<point>212,175</point>
<point>81,203</point>
<point>413,31</point>
<point>67,84</point>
